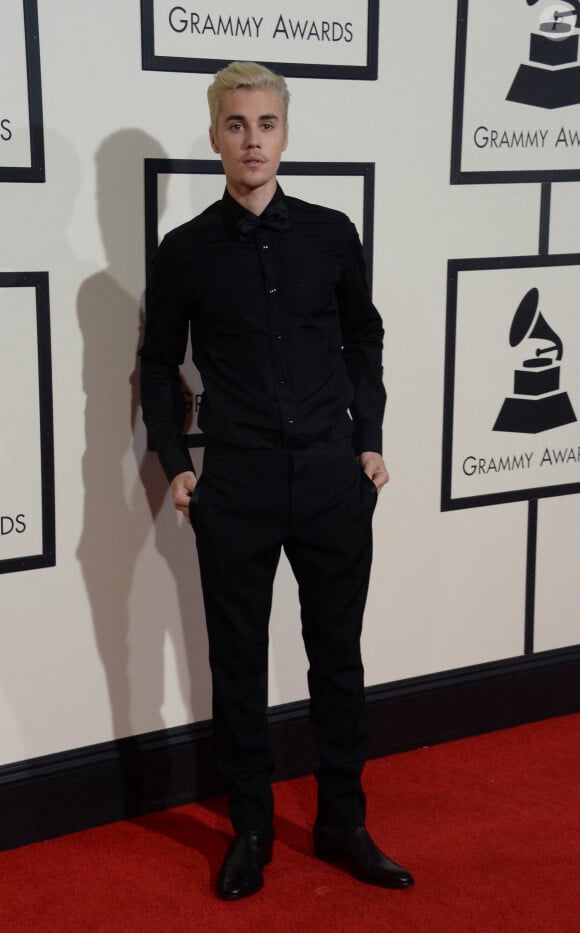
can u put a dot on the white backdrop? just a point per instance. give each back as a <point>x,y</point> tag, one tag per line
<point>110,642</point>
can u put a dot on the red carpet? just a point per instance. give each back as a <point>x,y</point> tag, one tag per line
<point>490,827</point>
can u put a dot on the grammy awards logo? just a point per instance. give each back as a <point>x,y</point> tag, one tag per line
<point>537,404</point>
<point>553,78</point>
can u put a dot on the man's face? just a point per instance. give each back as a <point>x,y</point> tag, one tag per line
<point>250,136</point>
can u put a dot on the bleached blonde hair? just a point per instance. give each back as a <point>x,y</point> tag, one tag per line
<point>247,75</point>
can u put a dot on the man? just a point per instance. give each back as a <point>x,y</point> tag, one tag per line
<point>288,344</point>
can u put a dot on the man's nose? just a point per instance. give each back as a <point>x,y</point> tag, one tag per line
<point>252,138</point>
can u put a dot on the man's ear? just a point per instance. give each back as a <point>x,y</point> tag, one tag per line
<point>213,140</point>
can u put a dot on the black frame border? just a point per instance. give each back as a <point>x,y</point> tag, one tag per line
<point>454,267</point>
<point>153,62</point>
<point>36,171</point>
<point>460,177</point>
<point>156,167</point>
<point>39,281</point>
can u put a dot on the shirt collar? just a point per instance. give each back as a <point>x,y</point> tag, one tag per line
<point>234,212</point>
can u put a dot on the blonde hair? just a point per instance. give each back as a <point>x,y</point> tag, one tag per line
<point>247,75</point>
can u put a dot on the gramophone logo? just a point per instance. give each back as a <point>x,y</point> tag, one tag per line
<point>552,78</point>
<point>537,403</point>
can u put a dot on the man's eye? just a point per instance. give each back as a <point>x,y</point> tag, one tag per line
<point>267,126</point>
<point>235,127</point>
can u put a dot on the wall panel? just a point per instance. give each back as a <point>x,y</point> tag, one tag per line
<point>110,643</point>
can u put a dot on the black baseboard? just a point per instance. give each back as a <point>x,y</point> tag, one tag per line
<point>57,794</point>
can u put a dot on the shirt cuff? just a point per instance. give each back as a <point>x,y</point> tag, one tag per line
<point>174,460</point>
<point>368,436</point>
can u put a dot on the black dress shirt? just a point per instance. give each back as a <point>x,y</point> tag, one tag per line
<point>283,332</point>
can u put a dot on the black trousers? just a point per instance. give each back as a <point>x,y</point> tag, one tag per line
<point>317,504</point>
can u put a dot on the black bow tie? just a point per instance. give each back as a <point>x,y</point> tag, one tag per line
<point>274,218</point>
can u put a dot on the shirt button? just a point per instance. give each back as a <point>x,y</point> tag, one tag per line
<point>279,336</point>
<point>264,246</point>
<point>282,382</point>
<point>273,291</point>
<point>290,421</point>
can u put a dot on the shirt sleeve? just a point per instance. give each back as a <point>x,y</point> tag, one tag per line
<point>362,337</point>
<point>162,353</point>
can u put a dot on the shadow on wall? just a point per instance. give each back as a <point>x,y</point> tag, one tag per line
<point>136,606</point>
